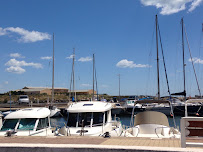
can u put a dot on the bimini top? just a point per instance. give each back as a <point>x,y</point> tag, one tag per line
<point>89,106</point>
<point>151,117</point>
<point>29,113</point>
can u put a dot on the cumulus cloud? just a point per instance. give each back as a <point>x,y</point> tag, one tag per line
<point>15,66</point>
<point>15,69</point>
<point>196,60</point>
<point>172,6</point>
<point>16,63</point>
<point>130,64</point>
<point>194,5</point>
<point>25,35</point>
<point>5,82</point>
<point>85,59</point>
<point>16,55</point>
<point>70,57</point>
<point>46,58</point>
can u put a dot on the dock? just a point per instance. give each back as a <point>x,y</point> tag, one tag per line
<point>90,144</point>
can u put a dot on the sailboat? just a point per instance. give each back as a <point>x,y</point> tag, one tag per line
<point>152,123</point>
<point>192,108</point>
<point>54,111</point>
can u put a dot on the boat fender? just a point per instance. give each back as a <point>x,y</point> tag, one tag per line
<point>9,133</point>
<point>106,135</point>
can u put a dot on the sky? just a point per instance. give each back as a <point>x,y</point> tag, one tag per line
<point>120,33</point>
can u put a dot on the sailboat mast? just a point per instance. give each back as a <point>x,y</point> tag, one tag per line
<point>119,88</point>
<point>74,73</point>
<point>183,58</point>
<point>52,93</point>
<point>93,79</point>
<point>157,46</point>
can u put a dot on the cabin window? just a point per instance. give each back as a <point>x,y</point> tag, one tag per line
<point>9,124</point>
<point>72,119</point>
<point>26,124</point>
<point>98,118</point>
<point>84,119</point>
<point>43,123</point>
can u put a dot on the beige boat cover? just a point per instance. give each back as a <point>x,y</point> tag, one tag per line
<point>151,117</point>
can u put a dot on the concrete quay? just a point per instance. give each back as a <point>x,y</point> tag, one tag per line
<point>90,144</point>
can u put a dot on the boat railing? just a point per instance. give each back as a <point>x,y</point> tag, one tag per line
<point>163,127</point>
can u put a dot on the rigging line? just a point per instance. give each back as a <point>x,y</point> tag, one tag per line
<point>164,61</point>
<point>192,62</point>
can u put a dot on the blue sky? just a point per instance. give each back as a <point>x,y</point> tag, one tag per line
<point>120,34</point>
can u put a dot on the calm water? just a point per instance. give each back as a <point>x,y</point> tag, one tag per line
<point>125,120</point>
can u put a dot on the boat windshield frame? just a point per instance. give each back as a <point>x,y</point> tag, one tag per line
<point>87,119</point>
<point>25,124</point>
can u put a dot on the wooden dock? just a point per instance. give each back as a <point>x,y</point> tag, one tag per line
<point>82,141</point>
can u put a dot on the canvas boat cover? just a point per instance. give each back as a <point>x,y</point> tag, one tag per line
<point>151,117</point>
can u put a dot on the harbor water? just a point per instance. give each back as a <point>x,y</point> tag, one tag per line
<point>125,120</point>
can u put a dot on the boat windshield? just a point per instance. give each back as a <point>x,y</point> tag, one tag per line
<point>43,123</point>
<point>84,119</point>
<point>9,124</point>
<point>27,124</point>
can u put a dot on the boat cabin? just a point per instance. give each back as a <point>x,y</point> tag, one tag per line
<point>27,122</point>
<point>89,114</point>
<point>90,118</point>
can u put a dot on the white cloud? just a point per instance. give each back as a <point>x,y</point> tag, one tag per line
<point>171,6</point>
<point>25,35</point>
<point>70,57</point>
<point>46,58</point>
<point>85,59</point>
<point>196,60</point>
<point>86,85</point>
<point>2,31</point>
<point>194,4</point>
<point>15,69</point>
<point>16,63</point>
<point>16,55</point>
<point>130,64</point>
<point>15,66</point>
<point>5,82</point>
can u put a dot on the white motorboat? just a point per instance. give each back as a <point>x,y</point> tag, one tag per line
<point>91,118</point>
<point>54,111</point>
<point>130,106</point>
<point>27,122</point>
<point>151,124</point>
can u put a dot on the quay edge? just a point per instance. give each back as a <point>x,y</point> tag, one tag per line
<point>13,147</point>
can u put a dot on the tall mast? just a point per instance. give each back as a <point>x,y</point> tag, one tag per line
<point>93,79</point>
<point>157,46</point>
<point>74,74</point>
<point>119,86</point>
<point>183,58</point>
<point>52,93</point>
